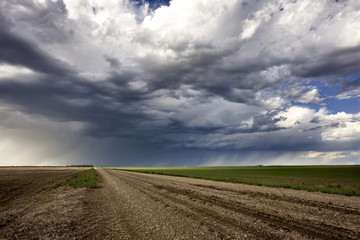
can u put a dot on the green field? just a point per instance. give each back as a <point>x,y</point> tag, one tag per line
<point>344,180</point>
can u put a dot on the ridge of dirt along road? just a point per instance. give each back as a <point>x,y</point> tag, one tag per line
<point>145,206</point>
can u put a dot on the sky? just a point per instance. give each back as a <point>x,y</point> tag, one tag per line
<point>179,83</point>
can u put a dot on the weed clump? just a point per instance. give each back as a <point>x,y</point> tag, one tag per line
<point>85,179</point>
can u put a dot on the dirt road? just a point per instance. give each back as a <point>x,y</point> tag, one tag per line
<point>144,206</point>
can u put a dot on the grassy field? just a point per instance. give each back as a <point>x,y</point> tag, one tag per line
<point>87,178</point>
<point>344,180</point>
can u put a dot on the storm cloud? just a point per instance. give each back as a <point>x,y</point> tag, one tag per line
<point>185,82</point>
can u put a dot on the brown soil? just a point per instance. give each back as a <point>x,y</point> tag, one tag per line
<point>144,206</point>
<point>30,206</point>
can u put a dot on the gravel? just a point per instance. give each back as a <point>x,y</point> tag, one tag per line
<point>145,206</point>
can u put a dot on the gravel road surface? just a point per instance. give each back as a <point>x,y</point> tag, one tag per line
<point>145,206</point>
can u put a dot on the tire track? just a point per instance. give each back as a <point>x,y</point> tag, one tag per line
<point>276,197</point>
<point>325,206</point>
<point>303,226</point>
<point>190,209</point>
<point>313,229</point>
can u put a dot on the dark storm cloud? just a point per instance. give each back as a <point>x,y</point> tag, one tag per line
<point>17,51</point>
<point>75,100</point>
<point>114,63</point>
<point>60,94</point>
<point>333,125</point>
<point>341,62</point>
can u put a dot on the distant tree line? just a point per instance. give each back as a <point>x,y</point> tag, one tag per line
<point>83,165</point>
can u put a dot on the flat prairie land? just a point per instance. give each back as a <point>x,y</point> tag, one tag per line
<point>132,205</point>
<point>344,180</point>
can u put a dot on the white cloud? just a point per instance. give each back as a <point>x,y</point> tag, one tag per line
<point>311,96</point>
<point>250,25</point>
<point>341,127</point>
<point>19,73</point>
<point>346,131</point>
<point>330,155</point>
<point>298,117</point>
<point>351,93</point>
<point>333,157</point>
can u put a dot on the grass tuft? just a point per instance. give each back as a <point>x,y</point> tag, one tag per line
<point>85,179</point>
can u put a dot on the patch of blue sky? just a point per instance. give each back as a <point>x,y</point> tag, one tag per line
<point>335,105</point>
<point>353,77</point>
<point>329,100</point>
<point>326,91</point>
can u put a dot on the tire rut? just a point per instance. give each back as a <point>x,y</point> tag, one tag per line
<point>325,206</point>
<point>199,213</point>
<point>303,226</point>
<point>318,230</point>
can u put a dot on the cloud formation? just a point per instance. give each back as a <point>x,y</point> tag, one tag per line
<point>201,77</point>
